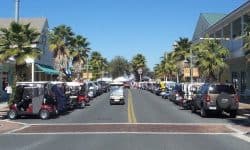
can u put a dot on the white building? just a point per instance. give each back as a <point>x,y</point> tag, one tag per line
<point>44,64</point>
<point>230,29</point>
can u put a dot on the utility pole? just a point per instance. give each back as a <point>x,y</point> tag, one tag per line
<point>87,68</point>
<point>191,66</point>
<point>17,11</point>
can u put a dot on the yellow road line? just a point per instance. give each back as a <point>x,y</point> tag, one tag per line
<point>131,113</point>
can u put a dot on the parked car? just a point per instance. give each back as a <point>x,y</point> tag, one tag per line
<point>176,95</point>
<point>158,91</point>
<point>32,98</point>
<point>189,89</point>
<point>104,85</point>
<point>165,94</point>
<point>92,89</point>
<point>216,97</point>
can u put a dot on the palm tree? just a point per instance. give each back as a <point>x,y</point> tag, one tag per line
<point>170,65</point>
<point>181,52</point>
<point>182,49</point>
<point>98,63</point>
<point>211,57</point>
<point>138,61</point>
<point>60,41</point>
<point>79,53</point>
<point>16,43</point>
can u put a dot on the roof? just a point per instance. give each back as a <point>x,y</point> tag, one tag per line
<point>205,21</point>
<point>36,23</point>
<point>212,18</point>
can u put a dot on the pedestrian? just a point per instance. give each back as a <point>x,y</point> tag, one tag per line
<point>8,90</point>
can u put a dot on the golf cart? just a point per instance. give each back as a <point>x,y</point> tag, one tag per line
<point>75,95</point>
<point>32,98</point>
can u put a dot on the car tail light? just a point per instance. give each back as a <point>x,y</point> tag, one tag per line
<point>81,98</point>
<point>207,98</point>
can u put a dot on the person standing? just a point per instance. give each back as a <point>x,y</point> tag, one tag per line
<point>8,90</point>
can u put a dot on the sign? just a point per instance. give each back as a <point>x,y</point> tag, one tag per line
<point>87,75</point>
<point>187,72</point>
<point>139,71</point>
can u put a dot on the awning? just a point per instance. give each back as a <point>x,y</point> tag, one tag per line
<point>47,69</point>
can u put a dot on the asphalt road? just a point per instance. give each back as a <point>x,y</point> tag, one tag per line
<point>141,107</point>
<point>148,108</point>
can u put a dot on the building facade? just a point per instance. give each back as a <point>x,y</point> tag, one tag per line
<point>230,30</point>
<point>44,65</point>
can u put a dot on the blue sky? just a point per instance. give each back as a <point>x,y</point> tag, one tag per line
<point>124,27</point>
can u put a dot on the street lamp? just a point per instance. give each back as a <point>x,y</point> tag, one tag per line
<point>191,66</point>
<point>140,72</point>
<point>31,61</point>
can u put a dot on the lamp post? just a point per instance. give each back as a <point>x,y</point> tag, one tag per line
<point>140,72</point>
<point>17,11</point>
<point>191,66</point>
<point>32,62</point>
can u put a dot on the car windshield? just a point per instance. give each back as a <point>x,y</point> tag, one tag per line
<point>218,89</point>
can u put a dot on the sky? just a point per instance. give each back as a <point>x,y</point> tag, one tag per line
<point>124,27</point>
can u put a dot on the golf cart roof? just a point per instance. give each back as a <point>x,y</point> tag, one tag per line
<point>73,83</point>
<point>38,83</point>
<point>116,83</point>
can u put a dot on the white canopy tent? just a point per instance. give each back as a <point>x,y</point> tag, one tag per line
<point>121,79</point>
<point>105,79</point>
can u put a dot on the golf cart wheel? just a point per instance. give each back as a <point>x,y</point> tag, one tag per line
<point>44,114</point>
<point>123,102</point>
<point>12,114</point>
<point>233,113</point>
<point>193,109</point>
<point>82,105</point>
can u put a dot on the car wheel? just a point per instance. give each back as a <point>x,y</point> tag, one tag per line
<point>111,103</point>
<point>233,113</point>
<point>219,113</point>
<point>44,114</point>
<point>12,114</point>
<point>82,105</point>
<point>203,112</point>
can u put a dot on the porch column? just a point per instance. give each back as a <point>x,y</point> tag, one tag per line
<point>231,30</point>
<point>242,25</point>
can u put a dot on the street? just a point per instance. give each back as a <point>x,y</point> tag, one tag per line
<point>144,122</point>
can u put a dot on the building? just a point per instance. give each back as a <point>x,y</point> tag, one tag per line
<point>229,29</point>
<point>44,64</point>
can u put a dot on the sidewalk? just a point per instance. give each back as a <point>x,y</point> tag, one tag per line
<point>3,109</point>
<point>244,107</point>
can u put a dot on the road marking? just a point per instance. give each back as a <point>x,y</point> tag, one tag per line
<point>56,124</point>
<point>239,134</point>
<point>110,133</point>
<point>242,137</point>
<point>131,112</point>
<point>18,129</point>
